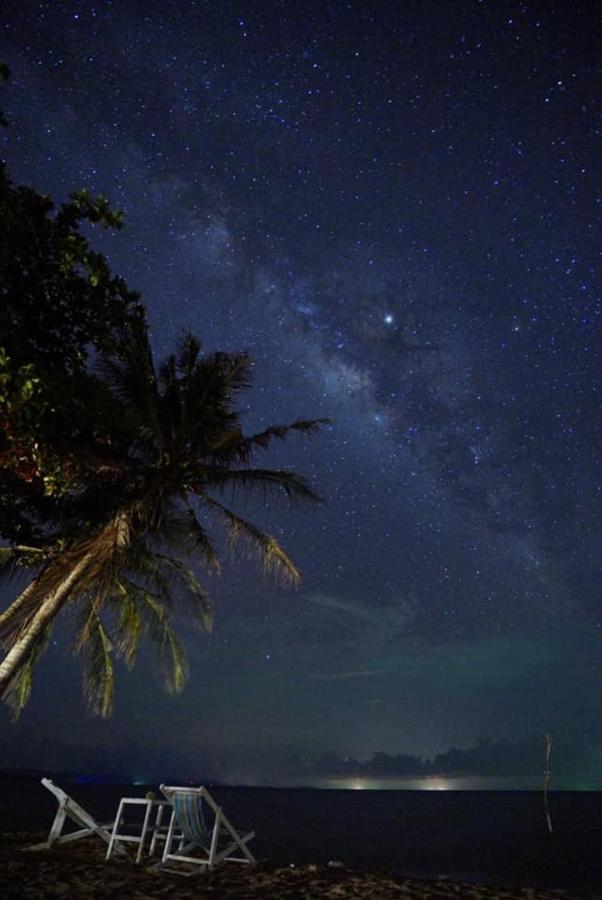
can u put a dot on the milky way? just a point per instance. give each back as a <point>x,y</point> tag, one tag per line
<point>393,207</point>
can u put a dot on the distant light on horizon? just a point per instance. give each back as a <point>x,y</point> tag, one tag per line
<point>436,784</point>
<point>429,783</point>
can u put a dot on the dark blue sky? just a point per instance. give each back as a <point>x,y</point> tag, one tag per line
<point>395,208</point>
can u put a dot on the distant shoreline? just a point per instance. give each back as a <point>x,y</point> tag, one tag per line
<point>443,784</point>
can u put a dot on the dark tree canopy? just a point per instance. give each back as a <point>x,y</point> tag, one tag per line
<point>112,470</point>
<point>59,304</point>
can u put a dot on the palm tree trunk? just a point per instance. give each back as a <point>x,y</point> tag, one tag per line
<point>16,606</point>
<point>47,610</point>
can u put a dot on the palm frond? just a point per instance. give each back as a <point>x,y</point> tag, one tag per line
<point>208,398</point>
<point>173,660</point>
<point>275,561</point>
<point>268,480</point>
<point>164,575</point>
<point>172,657</point>
<point>99,675</point>
<point>235,370</point>
<point>131,375</point>
<point>262,440</point>
<point>129,627</point>
<point>169,403</point>
<point>202,544</point>
<point>201,605</point>
<point>14,559</point>
<point>185,532</point>
<point>144,564</point>
<point>189,348</point>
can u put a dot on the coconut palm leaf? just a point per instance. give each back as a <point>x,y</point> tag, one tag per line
<point>200,605</point>
<point>130,627</point>
<point>94,643</point>
<point>172,657</point>
<point>173,661</point>
<point>143,565</point>
<point>263,439</point>
<point>275,561</point>
<point>169,405</point>
<point>189,349</point>
<point>184,531</point>
<point>268,480</point>
<point>209,399</point>
<point>13,560</point>
<point>202,544</point>
<point>132,378</point>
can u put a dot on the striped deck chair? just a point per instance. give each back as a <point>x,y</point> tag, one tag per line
<point>200,826</point>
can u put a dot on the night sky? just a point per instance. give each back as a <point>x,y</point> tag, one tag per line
<point>393,206</point>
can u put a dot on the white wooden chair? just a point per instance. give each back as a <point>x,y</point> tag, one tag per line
<point>157,830</point>
<point>69,809</point>
<point>199,825</point>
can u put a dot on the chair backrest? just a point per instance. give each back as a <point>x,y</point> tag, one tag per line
<point>190,809</point>
<point>58,792</point>
<point>76,812</point>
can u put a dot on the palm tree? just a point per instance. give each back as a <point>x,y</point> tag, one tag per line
<point>139,510</point>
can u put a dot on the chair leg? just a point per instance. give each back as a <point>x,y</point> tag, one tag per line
<point>169,836</point>
<point>214,839</point>
<point>245,849</point>
<point>114,830</point>
<point>57,825</point>
<point>158,820</point>
<point>240,839</point>
<point>143,834</point>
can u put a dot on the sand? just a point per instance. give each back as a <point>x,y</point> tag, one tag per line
<point>79,870</point>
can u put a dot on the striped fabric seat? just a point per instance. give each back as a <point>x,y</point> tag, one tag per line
<point>200,827</point>
<point>190,814</point>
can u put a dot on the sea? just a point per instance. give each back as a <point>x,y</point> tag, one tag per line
<point>488,837</point>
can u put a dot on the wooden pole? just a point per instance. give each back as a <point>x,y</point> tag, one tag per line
<point>547,774</point>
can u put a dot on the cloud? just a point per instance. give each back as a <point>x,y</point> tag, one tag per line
<point>369,621</point>
<point>341,676</point>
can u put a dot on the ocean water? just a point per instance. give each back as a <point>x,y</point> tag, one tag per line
<point>481,836</point>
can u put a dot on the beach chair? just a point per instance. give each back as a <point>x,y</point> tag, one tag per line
<point>69,809</point>
<point>199,825</point>
<point>152,822</point>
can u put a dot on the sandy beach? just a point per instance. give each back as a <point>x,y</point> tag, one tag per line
<point>79,870</point>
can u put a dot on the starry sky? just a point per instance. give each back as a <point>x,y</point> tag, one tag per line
<point>394,207</point>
